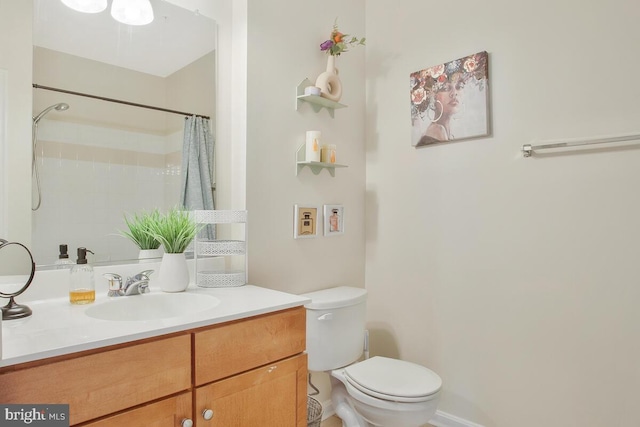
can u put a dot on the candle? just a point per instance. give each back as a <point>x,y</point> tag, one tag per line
<point>328,154</point>
<point>312,148</point>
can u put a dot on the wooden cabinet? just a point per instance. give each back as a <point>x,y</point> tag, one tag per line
<point>272,395</point>
<point>250,372</point>
<point>240,346</point>
<point>98,384</point>
<point>226,357</point>
<point>165,413</point>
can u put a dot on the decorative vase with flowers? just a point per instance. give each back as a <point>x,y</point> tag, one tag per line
<point>175,230</point>
<point>329,81</point>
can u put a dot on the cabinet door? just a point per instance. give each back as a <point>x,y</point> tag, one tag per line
<point>273,395</point>
<point>166,413</point>
<point>235,347</point>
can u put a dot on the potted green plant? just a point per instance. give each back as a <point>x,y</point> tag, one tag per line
<point>138,232</point>
<point>175,230</point>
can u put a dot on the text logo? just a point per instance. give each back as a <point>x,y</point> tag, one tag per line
<point>34,415</point>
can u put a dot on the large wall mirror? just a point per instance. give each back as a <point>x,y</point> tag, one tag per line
<point>97,160</point>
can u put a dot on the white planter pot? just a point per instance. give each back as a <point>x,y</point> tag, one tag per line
<point>149,255</point>
<point>174,273</point>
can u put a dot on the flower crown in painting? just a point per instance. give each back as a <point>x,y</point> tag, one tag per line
<point>426,83</point>
<point>338,42</point>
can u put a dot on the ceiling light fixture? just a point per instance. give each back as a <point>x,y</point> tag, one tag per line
<point>86,6</point>
<point>132,12</point>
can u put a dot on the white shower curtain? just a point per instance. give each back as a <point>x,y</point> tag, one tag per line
<point>197,167</point>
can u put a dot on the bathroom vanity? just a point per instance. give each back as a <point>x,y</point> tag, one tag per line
<point>241,363</point>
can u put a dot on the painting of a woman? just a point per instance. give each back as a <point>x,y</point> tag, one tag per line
<point>450,101</point>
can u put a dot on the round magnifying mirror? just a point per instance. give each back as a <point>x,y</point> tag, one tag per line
<point>16,273</point>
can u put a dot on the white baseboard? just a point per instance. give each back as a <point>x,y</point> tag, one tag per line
<point>327,410</point>
<point>441,419</point>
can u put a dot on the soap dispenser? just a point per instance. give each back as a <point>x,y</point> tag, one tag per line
<point>63,260</point>
<point>82,288</point>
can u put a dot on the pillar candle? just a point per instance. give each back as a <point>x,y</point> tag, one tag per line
<point>313,146</point>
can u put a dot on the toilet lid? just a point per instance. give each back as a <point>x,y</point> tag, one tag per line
<point>393,379</point>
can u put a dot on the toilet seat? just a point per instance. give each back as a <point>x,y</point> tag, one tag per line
<point>393,380</point>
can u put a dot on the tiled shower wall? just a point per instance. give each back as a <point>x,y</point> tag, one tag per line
<point>91,177</point>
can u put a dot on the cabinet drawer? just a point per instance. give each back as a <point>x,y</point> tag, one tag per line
<point>102,383</point>
<point>236,347</point>
<point>166,413</point>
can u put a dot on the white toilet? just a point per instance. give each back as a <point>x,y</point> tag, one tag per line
<point>374,392</point>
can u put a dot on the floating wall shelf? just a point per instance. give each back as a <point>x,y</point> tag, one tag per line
<point>317,102</point>
<point>316,167</point>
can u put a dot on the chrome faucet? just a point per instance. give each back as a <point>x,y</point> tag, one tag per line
<point>136,285</point>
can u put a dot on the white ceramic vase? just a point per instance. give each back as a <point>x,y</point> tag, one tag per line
<point>329,82</point>
<point>174,273</point>
<point>149,255</point>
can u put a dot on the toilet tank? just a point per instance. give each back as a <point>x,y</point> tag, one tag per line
<point>335,327</point>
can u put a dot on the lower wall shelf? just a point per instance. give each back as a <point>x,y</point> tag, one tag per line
<point>316,167</point>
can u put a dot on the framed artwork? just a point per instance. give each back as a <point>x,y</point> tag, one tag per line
<point>333,220</point>
<point>305,221</point>
<point>450,101</point>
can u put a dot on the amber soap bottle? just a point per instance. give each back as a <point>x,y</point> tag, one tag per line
<point>82,287</point>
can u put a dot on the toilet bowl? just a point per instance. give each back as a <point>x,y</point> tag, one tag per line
<point>379,391</point>
<point>388,392</point>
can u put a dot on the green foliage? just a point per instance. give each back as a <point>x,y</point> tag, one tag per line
<point>175,230</point>
<point>139,226</point>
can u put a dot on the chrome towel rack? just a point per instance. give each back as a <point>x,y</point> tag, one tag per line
<point>528,149</point>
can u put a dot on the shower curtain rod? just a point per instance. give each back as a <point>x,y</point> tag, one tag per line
<point>117,101</point>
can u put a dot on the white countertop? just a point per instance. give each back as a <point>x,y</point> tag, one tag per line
<point>56,327</point>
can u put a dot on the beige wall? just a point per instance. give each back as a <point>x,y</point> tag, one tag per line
<point>191,89</point>
<point>283,50</point>
<point>3,162</point>
<point>512,278</point>
<point>515,279</point>
<point>15,45</point>
<point>187,91</point>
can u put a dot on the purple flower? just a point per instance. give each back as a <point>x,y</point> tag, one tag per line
<point>326,45</point>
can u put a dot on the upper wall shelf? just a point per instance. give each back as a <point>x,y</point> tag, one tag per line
<point>317,102</point>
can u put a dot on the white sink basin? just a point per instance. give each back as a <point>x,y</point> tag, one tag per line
<point>151,306</point>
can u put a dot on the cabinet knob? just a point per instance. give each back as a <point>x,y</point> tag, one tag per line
<point>186,422</point>
<point>207,414</point>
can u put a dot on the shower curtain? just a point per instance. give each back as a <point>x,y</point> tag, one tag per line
<point>197,168</point>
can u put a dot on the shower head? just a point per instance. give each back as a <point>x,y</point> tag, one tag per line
<point>58,107</point>
<point>61,106</point>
